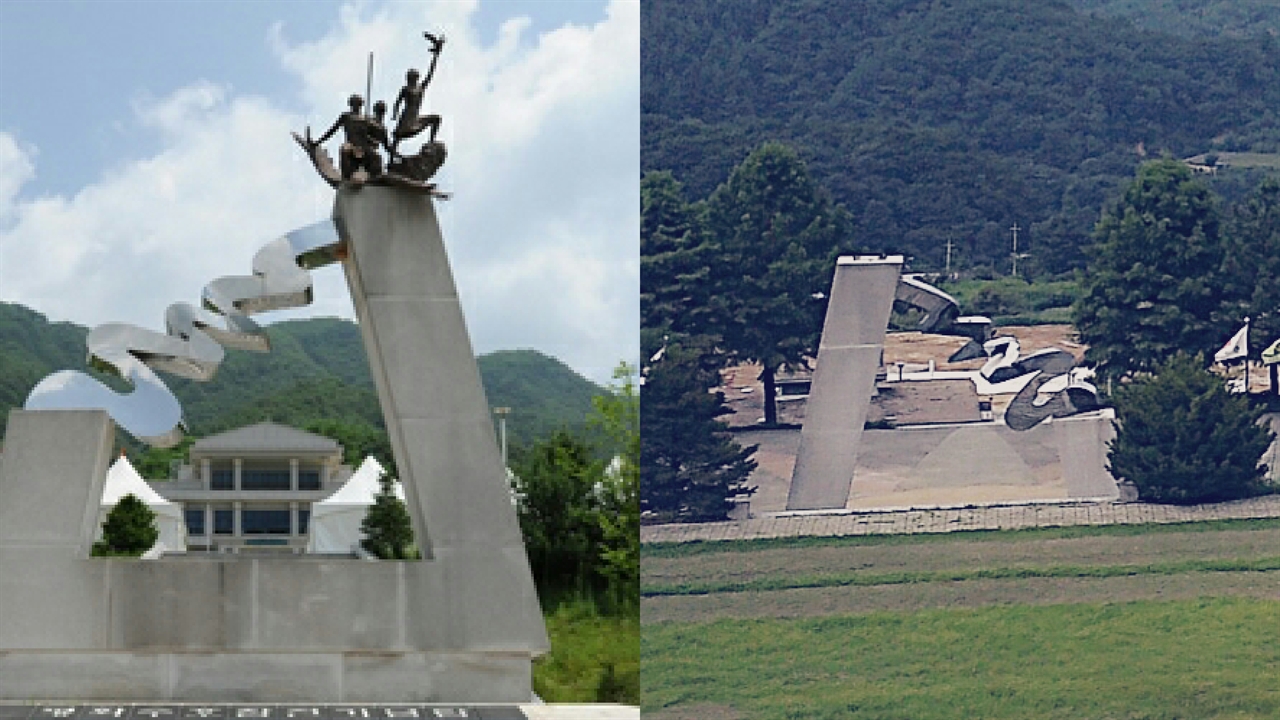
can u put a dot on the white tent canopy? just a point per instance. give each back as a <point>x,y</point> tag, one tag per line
<point>335,521</point>
<point>123,479</point>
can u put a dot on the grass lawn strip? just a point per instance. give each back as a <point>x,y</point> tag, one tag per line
<point>961,554</point>
<point>841,601</point>
<point>1213,658</point>
<point>898,578</point>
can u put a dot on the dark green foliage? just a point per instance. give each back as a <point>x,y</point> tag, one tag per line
<point>315,371</point>
<point>776,236</point>
<point>1192,18</point>
<point>1254,229</point>
<point>387,527</point>
<point>358,441</point>
<point>1155,283</point>
<point>618,415</point>
<point>675,257</point>
<point>1182,438</point>
<point>691,466</point>
<point>130,529</point>
<point>559,511</point>
<point>930,119</point>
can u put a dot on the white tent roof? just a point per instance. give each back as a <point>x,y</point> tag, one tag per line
<point>123,479</point>
<point>360,488</point>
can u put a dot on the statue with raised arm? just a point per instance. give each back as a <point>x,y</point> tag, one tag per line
<point>411,121</point>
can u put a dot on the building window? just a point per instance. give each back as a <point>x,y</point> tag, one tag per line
<point>224,522</point>
<point>308,479</point>
<point>304,517</point>
<point>258,479</point>
<point>264,522</point>
<point>222,479</point>
<point>195,520</point>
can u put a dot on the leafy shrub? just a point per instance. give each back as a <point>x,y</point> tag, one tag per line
<point>129,530</point>
<point>1183,439</point>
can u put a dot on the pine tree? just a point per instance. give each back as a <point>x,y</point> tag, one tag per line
<point>387,527</point>
<point>130,529</point>
<point>690,465</point>
<point>776,235</point>
<point>1156,284</point>
<point>1182,438</point>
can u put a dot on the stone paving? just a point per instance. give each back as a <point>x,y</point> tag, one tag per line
<point>952,519</point>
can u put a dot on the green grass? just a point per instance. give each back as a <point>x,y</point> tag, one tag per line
<point>594,657</point>
<point>847,579</point>
<point>687,549</point>
<point>1212,658</point>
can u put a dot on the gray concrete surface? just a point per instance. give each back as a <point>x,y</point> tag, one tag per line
<point>862,293</point>
<point>461,626</point>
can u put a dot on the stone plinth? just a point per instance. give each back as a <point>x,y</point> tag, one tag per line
<point>460,626</point>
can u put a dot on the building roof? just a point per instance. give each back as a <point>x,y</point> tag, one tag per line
<point>265,437</point>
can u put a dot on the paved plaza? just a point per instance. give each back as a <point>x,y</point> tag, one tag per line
<point>953,519</point>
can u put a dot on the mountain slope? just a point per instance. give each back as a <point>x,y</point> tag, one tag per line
<point>932,119</point>
<point>316,370</point>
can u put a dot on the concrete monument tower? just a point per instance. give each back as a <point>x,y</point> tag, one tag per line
<point>462,625</point>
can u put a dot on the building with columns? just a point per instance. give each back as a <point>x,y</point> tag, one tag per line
<point>252,488</point>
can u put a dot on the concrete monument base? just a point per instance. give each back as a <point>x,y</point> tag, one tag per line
<point>460,626</point>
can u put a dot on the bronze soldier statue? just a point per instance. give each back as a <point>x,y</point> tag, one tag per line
<point>360,151</point>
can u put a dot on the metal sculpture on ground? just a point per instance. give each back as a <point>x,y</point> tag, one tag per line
<point>192,346</point>
<point>1056,387</point>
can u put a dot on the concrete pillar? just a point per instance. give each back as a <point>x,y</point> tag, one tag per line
<point>293,518</point>
<point>238,465</point>
<point>849,354</point>
<point>206,473</point>
<point>208,521</point>
<point>236,508</point>
<point>293,474</point>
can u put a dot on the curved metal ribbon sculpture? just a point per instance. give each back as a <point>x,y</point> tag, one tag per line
<point>193,345</point>
<point>1056,387</point>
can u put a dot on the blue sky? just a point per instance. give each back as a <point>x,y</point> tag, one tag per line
<point>144,149</point>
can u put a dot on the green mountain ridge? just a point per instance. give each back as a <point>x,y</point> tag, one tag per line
<point>937,119</point>
<point>315,370</point>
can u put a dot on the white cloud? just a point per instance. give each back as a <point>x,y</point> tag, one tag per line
<point>543,138</point>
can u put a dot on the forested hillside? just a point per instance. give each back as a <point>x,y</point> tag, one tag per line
<point>315,371</point>
<point>937,119</point>
<point>1240,18</point>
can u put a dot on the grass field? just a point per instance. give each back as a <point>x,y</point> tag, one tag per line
<point>594,657</point>
<point>1173,621</point>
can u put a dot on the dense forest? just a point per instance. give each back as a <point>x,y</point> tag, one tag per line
<point>932,120</point>
<point>316,370</point>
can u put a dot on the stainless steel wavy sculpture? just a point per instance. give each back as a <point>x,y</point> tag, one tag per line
<point>193,344</point>
<point>1056,387</point>
<point>941,311</point>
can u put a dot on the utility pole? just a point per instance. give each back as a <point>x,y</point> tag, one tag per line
<point>948,256</point>
<point>1015,230</point>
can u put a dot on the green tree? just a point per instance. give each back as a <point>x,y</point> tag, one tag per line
<point>1155,284</point>
<point>358,440</point>
<point>559,509</point>
<point>1255,235</point>
<point>618,414</point>
<point>674,256</point>
<point>1182,438</point>
<point>776,236</point>
<point>690,465</point>
<point>387,527</point>
<point>130,529</point>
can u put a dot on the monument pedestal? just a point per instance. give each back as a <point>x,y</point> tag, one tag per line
<point>460,626</point>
